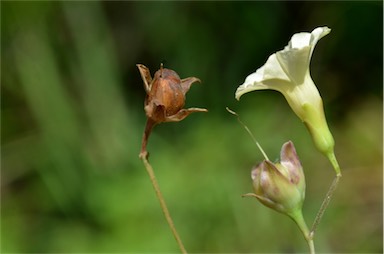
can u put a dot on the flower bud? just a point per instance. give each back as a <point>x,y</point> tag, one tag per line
<point>280,186</point>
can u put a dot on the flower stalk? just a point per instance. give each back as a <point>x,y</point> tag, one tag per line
<point>324,205</point>
<point>298,218</point>
<point>163,205</point>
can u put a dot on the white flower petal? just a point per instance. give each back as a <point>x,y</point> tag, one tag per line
<point>295,63</point>
<point>300,40</point>
<point>274,70</point>
<point>259,80</point>
<point>295,57</point>
<point>287,68</point>
<point>317,34</point>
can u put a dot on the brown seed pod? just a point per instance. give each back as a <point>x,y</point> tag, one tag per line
<point>165,99</point>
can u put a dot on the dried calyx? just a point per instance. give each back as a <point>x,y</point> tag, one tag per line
<point>165,99</point>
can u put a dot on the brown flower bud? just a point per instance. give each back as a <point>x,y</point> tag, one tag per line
<point>165,99</point>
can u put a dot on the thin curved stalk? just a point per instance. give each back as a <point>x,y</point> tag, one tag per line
<point>163,205</point>
<point>325,204</point>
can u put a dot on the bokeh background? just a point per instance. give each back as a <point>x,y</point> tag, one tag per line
<point>72,121</point>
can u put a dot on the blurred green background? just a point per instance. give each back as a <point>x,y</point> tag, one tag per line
<point>72,121</point>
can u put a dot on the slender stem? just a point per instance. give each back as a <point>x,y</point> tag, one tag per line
<point>324,205</point>
<point>249,132</point>
<point>163,205</point>
<point>311,245</point>
<point>299,219</point>
<point>148,128</point>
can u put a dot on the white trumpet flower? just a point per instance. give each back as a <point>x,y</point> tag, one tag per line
<point>287,71</point>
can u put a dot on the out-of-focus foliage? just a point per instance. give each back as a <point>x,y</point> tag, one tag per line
<point>72,119</point>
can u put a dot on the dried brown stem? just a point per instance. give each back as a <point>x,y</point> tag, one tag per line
<point>148,128</point>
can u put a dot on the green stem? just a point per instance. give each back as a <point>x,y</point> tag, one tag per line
<point>335,164</point>
<point>325,204</point>
<point>297,216</point>
<point>163,205</point>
